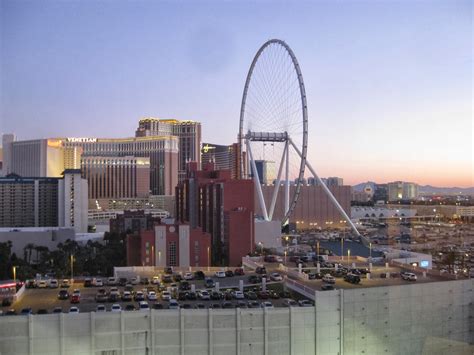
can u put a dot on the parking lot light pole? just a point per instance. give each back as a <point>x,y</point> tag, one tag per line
<point>14,275</point>
<point>285,257</point>
<point>317,249</point>
<point>153,255</point>
<point>370,252</point>
<point>208,258</point>
<point>72,269</point>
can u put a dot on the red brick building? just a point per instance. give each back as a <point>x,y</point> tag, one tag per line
<point>221,206</point>
<point>169,245</point>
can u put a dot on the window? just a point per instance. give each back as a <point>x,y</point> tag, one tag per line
<point>172,254</point>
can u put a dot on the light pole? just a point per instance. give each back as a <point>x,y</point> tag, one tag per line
<point>153,255</point>
<point>208,258</point>
<point>14,275</point>
<point>285,257</point>
<point>159,258</point>
<point>348,255</point>
<point>72,269</point>
<point>370,252</point>
<point>317,249</point>
<point>342,248</point>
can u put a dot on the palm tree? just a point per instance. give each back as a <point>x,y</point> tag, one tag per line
<point>28,249</point>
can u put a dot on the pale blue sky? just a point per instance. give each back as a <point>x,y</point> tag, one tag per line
<point>389,83</point>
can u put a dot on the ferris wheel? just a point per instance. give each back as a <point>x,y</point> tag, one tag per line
<point>273,128</point>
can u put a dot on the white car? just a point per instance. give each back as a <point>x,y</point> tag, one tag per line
<point>143,306</point>
<point>53,283</point>
<point>305,303</point>
<point>328,278</point>
<point>166,296</point>
<point>74,310</point>
<point>116,308</point>
<point>275,276</point>
<point>204,295</point>
<point>220,274</point>
<point>239,295</point>
<point>134,281</point>
<point>408,276</point>
<point>100,308</point>
<point>155,280</point>
<point>188,276</point>
<point>152,296</point>
<point>266,304</point>
<point>42,284</point>
<point>98,283</point>
<point>173,304</point>
<point>114,291</point>
<point>65,283</point>
<point>111,281</point>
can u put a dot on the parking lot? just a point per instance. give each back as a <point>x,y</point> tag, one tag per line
<point>46,299</point>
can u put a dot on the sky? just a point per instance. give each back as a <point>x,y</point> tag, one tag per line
<point>388,83</point>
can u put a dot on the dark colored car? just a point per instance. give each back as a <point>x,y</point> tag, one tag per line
<point>215,295</point>
<point>269,259</point>
<point>144,281</point>
<point>263,295</point>
<point>254,279</point>
<point>199,275</point>
<point>127,297</point>
<point>122,281</point>
<point>166,279</point>
<point>200,306</point>
<point>169,270</point>
<point>354,279</point>
<point>75,299</point>
<point>251,295</point>
<point>113,297</point>
<point>182,296</point>
<point>101,295</point>
<point>157,306</point>
<point>327,287</point>
<point>274,295</point>
<point>209,283</point>
<point>57,310</point>
<point>228,295</point>
<point>261,270</point>
<point>177,278</point>
<point>184,286</point>
<point>88,283</point>
<point>285,294</point>
<point>215,305</point>
<point>229,273</point>
<point>253,304</point>
<point>30,284</point>
<point>42,311</point>
<point>63,295</point>
<point>191,296</point>
<point>7,302</point>
<point>129,307</point>
<point>227,305</point>
<point>239,271</point>
<point>186,306</point>
<point>241,304</point>
<point>10,312</point>
<point>26,311</point>
<point>315,276</point>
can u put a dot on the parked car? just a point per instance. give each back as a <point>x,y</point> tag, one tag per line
<point>275,276</point>
<point>155,280</point>
<point>209,282</point>
<point>251,295</point>
<point>241,304</point>
<point>239,271</point>
<point>42,284</point>
<point>188,276</point>
<point>173,304</point>
<point>261,270</point>
<point>129,307</point>
<point>269,259</point>
<point>139,296</point>
<point>199,275</point>
<point>253,304</point>
<point>177,277</point>
<point>266,304</point>
<point>152,296</point>
<point>143,306</point>
<point>327,287</point>
<point>98,283</point>
<point>219,274</point>
<point>229,273</point>
<point>192,296</point>
<point>263,295</point>
<point>216,295</point>
<point>101,295</point>
<point>57,310</point>
<point>88,282</point>
<point>305,303</point>
<point>116,308</point>
<point>408,276</point>
<point>184,286</point>
<point>112,281</point>
<point>254,279</point>
<point>166,296</point>
<point>166,279</point>
<point>65,283</point>
<point>238,295</point>
<point>157,306</point>
<point>204,295</point>
<point>126,296</point>
<point>42,311</point>
<point>26,311</point>
<point>168,270</point>
<point>100,308</point>
<point>328,278</point>
<point>352,278</point>
<point>289,303</point>
<point>63,295</point>
<point>315,276</point>
<point>76,298</point>
<point>74,310</point>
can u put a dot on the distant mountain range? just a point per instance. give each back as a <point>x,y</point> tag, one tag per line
<point>426,189</point>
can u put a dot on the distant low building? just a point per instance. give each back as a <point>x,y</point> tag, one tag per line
<point>400,190</point>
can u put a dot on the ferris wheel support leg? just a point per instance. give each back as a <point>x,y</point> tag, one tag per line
<point>257,182</point>
<point>276,189</point>
<point>287,177</point>
<point>328,192</point>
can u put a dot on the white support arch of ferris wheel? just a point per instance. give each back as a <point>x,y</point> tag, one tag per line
<point>327,191</point>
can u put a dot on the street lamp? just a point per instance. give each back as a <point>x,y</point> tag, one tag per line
<point>208,258</point>
<point>14,275</point>
<point>317,249</point>
<point>159,257</point>
<point>370,251</point>
<point>153,255</point>
<point>348,255</point>
<point>72,269</point>
<point>285,257</point>
<point>342,248</point>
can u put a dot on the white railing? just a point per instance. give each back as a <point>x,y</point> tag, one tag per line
<point>300,288</point>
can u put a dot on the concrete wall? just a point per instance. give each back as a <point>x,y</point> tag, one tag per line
<point>429,318</point>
